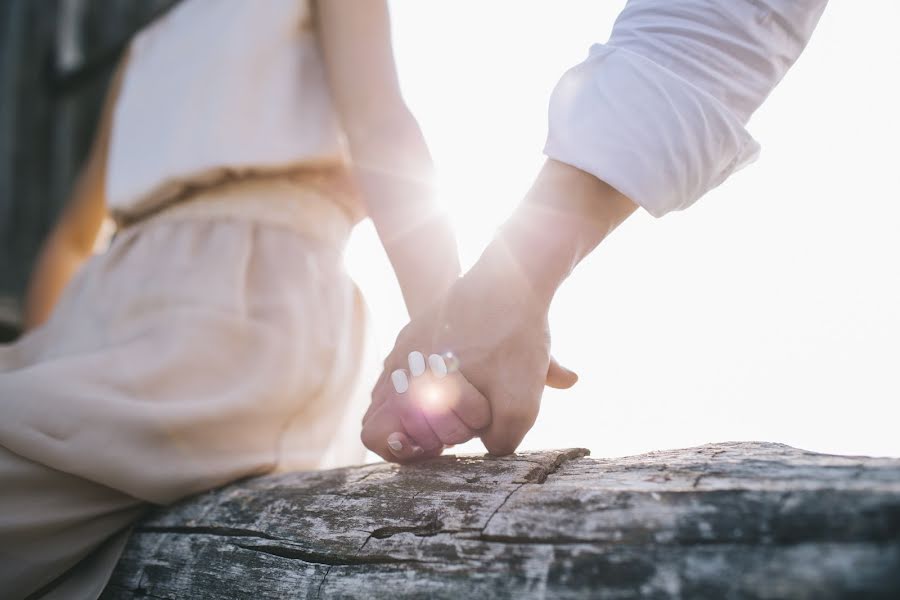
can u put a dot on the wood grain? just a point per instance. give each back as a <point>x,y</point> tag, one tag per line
<point>732,520</point>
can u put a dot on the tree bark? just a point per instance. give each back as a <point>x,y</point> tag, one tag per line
<point>731,520</point>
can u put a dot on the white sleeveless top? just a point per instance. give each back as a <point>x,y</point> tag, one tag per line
<point>217,88</point>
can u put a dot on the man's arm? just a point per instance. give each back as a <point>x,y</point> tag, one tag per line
<point>659,111</point>
<point>390,159</point>
<point>654,118</point>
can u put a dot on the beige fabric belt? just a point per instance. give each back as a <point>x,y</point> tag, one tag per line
<point>278,202</point>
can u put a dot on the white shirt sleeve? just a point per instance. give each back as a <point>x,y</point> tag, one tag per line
<point>659,112</point>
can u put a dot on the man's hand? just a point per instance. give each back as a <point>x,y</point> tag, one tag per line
<point>417,413</point>
<point>492,334</point>
<point>493,321</point>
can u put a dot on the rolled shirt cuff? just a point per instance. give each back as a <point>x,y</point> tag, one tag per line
<point>644,130</point>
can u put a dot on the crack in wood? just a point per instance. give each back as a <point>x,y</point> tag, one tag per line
<point>541,472</point>
<point>328,570</point>
<point>138,593</point>
<point>538,476</point>
<point>501,505</point>
<point>369,474</point>
<point>329,560</point>
<point>538,541</point>
<point>324,577</point>
<point>431,528</point>
<point>599,527</point>
<point>427,530</point>
<point>208,530</point>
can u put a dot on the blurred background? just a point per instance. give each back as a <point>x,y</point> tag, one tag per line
<point>56,58</point>
<point>770,310</point>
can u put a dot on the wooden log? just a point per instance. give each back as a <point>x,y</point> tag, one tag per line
<point>732,520</point>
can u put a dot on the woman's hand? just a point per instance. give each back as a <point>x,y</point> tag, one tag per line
<point>493,321</point>
<point>491,333</point>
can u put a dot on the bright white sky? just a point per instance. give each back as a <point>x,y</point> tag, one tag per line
<point>768,311</point>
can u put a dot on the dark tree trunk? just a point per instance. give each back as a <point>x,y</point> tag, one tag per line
<point>734,520</point>
<point>56,57</point>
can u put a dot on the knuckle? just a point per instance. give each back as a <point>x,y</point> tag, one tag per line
<point>480,419</point>
<point>366,438</point>
<point>509,419</point>
<point>456,434</point>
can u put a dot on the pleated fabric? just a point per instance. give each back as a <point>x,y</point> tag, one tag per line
<point>218,339</point>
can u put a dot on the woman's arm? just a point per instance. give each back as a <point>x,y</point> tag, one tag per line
<point>72,239</point>
<point>390,159</point>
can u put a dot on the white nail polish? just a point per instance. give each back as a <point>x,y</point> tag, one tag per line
<point>416,363</point>
<point>438,366</point>
<point>400,381</point>
<point>395,444</point>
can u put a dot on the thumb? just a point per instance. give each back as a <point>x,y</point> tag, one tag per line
<point>560,377</point>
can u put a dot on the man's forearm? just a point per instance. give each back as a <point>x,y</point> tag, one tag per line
<point>565,215</point>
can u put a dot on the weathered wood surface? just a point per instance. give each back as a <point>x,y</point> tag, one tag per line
<point>734,520</point>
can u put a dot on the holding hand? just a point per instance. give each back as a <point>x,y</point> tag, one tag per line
<point>493,323</point>
<point>494,349</point>
<point>418,411</point>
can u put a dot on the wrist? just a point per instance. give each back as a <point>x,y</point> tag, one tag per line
<point>426,262</point>
<point>499,279</point>
<point>565,215</point>
<point>422,299</point>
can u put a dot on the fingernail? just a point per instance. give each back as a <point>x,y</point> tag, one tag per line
<point>394,442</point>
<point>417,450</point>
<point>416,363</point>
<point>400,381</point>
<point>438,366</point>
<point>451,361</point>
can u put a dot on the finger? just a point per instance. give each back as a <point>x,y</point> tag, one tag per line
<point>449,428</point>
<point>560,377</point>
<point>379,396</point>
<point>454,409</point>
<point>451,403</point>
<point>382,423</point>
<point>501,442</point>
<point>416,426</point>
<point>413,421</point>
<point>437,404</point>
<point>392,389</point>
<point>400,381</point>
<point>447,400</point>
<point>512,417</point>
<point>417,366</point>
<point>385,427</point>
<point>416,362</point>
<point>403,448</point>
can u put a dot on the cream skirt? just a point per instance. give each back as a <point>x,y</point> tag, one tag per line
<point>218,339</point>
